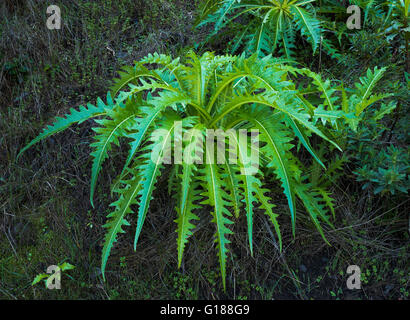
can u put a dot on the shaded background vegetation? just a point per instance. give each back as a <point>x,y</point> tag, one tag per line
<point>45,215</point>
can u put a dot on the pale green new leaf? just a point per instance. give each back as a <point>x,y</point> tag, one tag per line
<point>268,208</point>
<point>152,162</point>
<point>308,25</point>
<point>75,116</point>
<point>185,216</point>
<point>277,147</point>
<point>116,219</point>
<point>217,197</point>
<point>111,130</point>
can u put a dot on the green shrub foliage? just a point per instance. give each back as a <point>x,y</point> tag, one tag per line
<point>270,25</point>
<point>150,100</point>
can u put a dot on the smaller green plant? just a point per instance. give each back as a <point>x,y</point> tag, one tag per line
<point>16,70</point>
<point>381,166</point>
<point>183,286</point>
<point>270,24</point>
<point>386,171</point>
<point>381,40</point>
<point>337,295</point>
<point>123,262</point>
<point>44,276</point>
